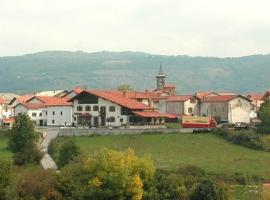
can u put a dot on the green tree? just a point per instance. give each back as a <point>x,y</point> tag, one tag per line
<point>210,190</point>
<point>125,87</point>
<point>264,116</point>
<point>23,140</point>
<point>68,151</point>
<point>5,177</point>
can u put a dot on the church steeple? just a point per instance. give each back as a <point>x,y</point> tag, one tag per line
<point>160,78</point>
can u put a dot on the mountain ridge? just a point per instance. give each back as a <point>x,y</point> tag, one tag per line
<point>108,69</point>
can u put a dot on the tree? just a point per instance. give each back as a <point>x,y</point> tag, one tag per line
<point>39,184</point>
<point>119,175</point>
<point>125,87</point>
<point>5,177</point>
<point>23,141</point>
<point>210,190</point>
<point>264,116</point>
<point>68,151</point>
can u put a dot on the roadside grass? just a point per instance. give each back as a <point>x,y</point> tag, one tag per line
<point>244,192</point>
<point>173,125</point>
<point>169,151</point>
<point>5,154</point>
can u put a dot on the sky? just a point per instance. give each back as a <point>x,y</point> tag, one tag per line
<point>223,28</point>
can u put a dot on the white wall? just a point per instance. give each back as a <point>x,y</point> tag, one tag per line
<point>239,110</point>
<point>101,102</point>
<point>58,115</point>
<point>194,106</point>
<point>19,109</point>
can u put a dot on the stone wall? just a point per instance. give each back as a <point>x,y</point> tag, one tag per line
<point>117,131</point>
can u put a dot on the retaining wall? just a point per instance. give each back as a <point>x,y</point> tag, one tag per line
<point>117,131</point>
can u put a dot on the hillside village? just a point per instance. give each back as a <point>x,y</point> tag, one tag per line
<point>113,108</point>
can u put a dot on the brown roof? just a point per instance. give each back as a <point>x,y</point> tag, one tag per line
<point>201,95</point>
<point>179,98</point>
<point>52,101</point>
<point>118,99</point>
<point>255,96</point>
<point>222,98</point>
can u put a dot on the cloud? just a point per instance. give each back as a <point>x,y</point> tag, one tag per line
<point>190,27</point>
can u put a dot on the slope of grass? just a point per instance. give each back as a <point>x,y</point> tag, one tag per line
<point>171,150</point>
<point>5,154</point>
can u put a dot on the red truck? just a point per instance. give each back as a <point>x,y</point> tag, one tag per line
<point>198,122</point>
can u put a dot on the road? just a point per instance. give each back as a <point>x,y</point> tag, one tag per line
<point>47,162</point>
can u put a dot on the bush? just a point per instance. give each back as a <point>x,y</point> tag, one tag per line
<point>247,138</point>
<point>68,151</point>
<point>210,190</point>
<point>5,177</point>
<point>23,140</point>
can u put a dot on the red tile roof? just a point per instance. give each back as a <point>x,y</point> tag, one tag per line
<point>9,120</point>
<point>201,95</point>
<point>170,85</point>
<point>77,90</point>
<point>120,100</point>
<point>2,101</point>
<point>255,96</point>
<point>221,98</point>
<point>179,98</point>
<point>149,114</point>
<point>52,100</point>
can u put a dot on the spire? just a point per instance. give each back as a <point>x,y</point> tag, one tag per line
<point>160,70</point>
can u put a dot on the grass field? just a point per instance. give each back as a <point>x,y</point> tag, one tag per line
<point>171,150</point>
<point>4,153</point>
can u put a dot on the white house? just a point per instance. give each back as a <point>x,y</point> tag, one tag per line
<point>226,108</point>
<point>46,110</point>
<point>108,108</point>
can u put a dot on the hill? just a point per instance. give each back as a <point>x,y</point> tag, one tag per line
<point>62,69</point>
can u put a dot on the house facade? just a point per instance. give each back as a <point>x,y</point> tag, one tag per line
<point>107,108</point>
<point>226,108</point>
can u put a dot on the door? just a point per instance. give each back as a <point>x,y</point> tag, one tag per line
<point>40,122</point>
<point>96,122</point>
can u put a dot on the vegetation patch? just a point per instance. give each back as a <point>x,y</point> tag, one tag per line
<point>169,151</point>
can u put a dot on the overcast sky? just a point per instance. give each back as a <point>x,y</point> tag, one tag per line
<point>174,27</point>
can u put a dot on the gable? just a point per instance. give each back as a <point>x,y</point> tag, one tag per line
<point>86,98</point>
<point>34,100</point>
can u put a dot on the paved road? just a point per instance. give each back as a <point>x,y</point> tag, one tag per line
<point>47,162</point>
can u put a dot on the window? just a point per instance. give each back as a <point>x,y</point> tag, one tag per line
<point>74,118</point>
<point>192,100</point>
<point>223,109</point>
<point>34,114</point>
<point>40,114</point>
<point>53,121</point>
<point>61,113</point>
<point>95,108</point>
<point>112,119</point>
<point>189,110</point>
<point>53,112</point>
<point>46,113</point>
<point>112,109</point>
<point>88,108</point>
<point>79,108</point>
<point>121,120</point>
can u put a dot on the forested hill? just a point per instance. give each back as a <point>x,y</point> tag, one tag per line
<point>64,70</point>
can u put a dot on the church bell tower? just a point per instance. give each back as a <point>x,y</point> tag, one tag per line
<point>160,79</point>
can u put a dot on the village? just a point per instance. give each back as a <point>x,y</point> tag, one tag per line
<point>113,108</point>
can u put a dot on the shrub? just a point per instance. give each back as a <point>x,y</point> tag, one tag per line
<point>210,190</point>
<point>68,151</point>
<point>5,177</point>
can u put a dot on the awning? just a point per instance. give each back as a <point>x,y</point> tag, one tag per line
<point>149,114</point>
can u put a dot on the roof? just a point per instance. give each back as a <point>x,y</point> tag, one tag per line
<point>8,120</point>
<point>255,96</point>
<point>2,100</point>
<point>50,92</point>
<point>179,98</point>
<point>137,94</point>
<point>222,98</point>
<point>170,85</point>
<point>51,100</point>
<point>118,99</point>
<point>149,114</point>
<point>201,95</point>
